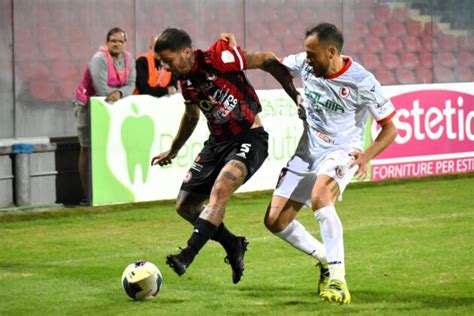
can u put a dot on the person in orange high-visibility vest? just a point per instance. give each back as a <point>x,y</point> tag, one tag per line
<point>152,78</point>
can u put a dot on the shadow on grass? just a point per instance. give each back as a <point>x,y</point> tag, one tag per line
<point>280,294</point>
<point>160,300</point>
<point>362,301</point>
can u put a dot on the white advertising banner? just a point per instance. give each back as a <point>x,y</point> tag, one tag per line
<point>435,123</point>
<point>127,134</point>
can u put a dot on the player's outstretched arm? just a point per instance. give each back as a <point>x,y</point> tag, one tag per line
<point>386,136</point>
<point>186,127</point>
<point>268,62</point>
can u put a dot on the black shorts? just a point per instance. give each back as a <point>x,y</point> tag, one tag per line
<point>250,147</point>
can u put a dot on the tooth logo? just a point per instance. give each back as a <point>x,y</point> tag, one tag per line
<point>137,140</point>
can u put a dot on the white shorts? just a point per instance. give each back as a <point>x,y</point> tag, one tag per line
<point>297,179</point>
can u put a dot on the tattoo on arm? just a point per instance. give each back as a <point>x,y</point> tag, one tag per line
<point>249,57</point>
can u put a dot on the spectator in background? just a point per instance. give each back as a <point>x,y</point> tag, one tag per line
<point>152,78</point>
<point>110,73</point>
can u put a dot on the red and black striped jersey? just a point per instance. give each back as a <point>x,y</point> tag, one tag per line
<point>218,85</point>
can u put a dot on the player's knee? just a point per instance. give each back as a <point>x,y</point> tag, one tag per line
<point>320,198</point>
<point>181,209</point>
<point>273,223</point>
<point>186,211</point>
<point>222,190</point>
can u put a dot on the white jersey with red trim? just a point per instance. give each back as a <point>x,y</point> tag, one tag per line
<point>337,106</point>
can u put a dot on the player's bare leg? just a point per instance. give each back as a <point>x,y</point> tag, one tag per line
<point>232,175</point>
<point>189,205</point>
<point>280,220</point>
<point>280,212</point>
<point>323,197</point>
<point>229,179</point>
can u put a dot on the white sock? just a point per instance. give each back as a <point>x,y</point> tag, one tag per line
<point>297,236</point>
<point>331,232</point>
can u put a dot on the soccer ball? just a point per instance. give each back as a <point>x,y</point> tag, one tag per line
<point>142,280</point>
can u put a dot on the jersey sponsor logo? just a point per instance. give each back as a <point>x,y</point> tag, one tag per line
<point>206,105</point>
<point>344,92</point>
<point>333,106</point>
<point>311,95</point>
<point>325,138</point>
<point>225,98</point>
<point>227,57</point>
<point>315,97</point>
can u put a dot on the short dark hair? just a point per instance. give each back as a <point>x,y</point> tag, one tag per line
<point>116,30</point>
<point>327,33</point>
<point>173,39</point>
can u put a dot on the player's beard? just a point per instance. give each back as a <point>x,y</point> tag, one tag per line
<point>185,66</point>
<point>319,71</point>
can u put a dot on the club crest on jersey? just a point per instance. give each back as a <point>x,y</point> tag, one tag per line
<point>187,177</point>
<point>339,172</point>
<point>344,92</point>
<point>227,57</point>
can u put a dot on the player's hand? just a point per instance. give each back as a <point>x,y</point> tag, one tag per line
<point>361,160</point>
<point>229,38</point>
<point>164,158</point>
<point>301,110</point>
<point>113,96</point>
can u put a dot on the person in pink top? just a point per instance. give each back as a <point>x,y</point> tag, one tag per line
<point>110,73</point>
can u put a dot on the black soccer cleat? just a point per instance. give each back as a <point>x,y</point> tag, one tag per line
<point>177,263</point>
<point>235,257</point>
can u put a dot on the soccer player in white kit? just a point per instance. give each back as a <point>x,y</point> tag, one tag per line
<point>339,95</point>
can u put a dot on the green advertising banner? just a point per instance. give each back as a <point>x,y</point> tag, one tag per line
<point>125,136</point>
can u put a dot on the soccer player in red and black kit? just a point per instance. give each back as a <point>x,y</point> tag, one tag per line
<point>214,83</point>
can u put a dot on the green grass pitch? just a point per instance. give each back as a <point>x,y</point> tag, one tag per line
<point>409,246</point>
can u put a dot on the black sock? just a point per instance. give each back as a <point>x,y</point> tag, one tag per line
<point>203,231</point>
<point>223,236</point>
